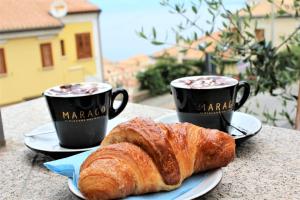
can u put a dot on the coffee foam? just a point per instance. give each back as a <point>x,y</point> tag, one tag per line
<point>204,82</point>
<point>77,89</point>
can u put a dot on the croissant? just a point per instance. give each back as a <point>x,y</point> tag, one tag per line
<point>141,156</point>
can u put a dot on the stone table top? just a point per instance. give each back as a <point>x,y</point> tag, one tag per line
<point>267,166</point>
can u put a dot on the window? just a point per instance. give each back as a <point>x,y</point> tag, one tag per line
<point>260,34</point>
<point>236,36</point>
<point>62,47</point>
<point>46,52</point>
<point>83,45</point>
<point>2,62</point>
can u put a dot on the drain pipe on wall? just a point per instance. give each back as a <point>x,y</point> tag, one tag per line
<point>100,46</point>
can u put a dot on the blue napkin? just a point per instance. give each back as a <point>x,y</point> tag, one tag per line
<point>70,167</point>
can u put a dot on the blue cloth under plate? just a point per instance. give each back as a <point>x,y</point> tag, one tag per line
<point>70,167</point>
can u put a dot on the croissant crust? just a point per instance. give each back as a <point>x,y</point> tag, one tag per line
<point>141,156</point>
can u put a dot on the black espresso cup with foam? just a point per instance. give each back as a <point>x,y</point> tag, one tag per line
<point>80,112</point>
<point>208,101</point>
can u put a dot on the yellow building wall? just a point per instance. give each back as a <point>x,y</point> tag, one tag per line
<point>26,78</point>
<point>230,69</point>
<point>282,27</point>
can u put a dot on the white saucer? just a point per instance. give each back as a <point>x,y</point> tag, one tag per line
<point>248,123</point>
<point>207,181</point>
<point>49,142</point>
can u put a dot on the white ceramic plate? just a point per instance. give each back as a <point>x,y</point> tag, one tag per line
<point>49,142</point>
<point>209,180</point>
<point>248,123</point>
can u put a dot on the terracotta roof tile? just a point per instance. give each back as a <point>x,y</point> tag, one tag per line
<point>78,6</point>
<point>138,60</point>
<point>263,8</point>
<point>17,15</point>
<point>192,52</point>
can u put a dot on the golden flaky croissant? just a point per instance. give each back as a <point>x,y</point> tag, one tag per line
<point>141,156</point>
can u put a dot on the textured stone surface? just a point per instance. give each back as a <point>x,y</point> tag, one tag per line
<point>266,167</point>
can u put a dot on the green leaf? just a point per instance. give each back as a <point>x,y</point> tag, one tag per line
<point>255,24</point>
<point>288,49</point>
<point>288,117</point>
<point>157,43</point>
<point>194,9</point>
<point>281,12</point>
<point>275,113</point>
<point>257,104</point>
<point>224,16</point>
<point>195,36</point>
<point>249,34</point>
<point>142,34</point>
<point>183,51</point>
<point>246,24</point>
<point>248,7</point>
<point>177,8</point>
<point>154,32</point>
<point>211,12</point>
<point>208,44</point>
<point>224,25</point>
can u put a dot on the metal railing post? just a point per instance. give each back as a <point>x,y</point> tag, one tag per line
<point>2,139</point>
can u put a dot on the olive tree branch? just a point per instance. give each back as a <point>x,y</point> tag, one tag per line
<point>231,21</point>
<point>193,22</point>
<point>288,38</point>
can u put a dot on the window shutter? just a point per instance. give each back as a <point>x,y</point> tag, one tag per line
<point>83,45</point>
<point>79,46</point>
<point>2,62</point>
<point>260,34</point>
<point>62,47</point>
<point>46,52</point>
<point>87,44</point>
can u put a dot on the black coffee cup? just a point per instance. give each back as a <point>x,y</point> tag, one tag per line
<point>80,112</point>
<point>208,101</point>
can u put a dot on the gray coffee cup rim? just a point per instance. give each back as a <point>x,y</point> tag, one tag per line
<point>204,88</point>
<point>106,86</point>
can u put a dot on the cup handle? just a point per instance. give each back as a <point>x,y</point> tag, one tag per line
<point>246,93</point>
<point>115,112</point>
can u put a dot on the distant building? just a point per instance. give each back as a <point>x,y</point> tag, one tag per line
<point>272,28</point>
<point>123,73</point>
<point>193,52</point>
<point>268,28</point>
<point>39,50</point>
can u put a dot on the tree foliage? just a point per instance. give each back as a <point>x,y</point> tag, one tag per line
<point>271,68</point>
<point>158,77</point>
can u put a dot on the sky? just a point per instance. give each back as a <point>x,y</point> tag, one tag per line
<point>120,19</point>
